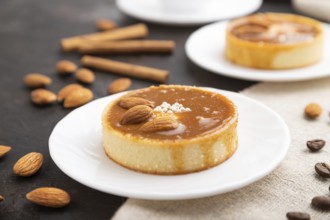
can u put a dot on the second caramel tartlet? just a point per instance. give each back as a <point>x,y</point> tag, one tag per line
<point>274,41</point>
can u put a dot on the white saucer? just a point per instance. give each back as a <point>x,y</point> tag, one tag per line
<point>213,10</point>
<point>75,146</point>
<point>205,47</point>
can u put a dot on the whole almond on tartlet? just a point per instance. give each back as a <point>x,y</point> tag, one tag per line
<point>2,198</point>
<point>105,25</point>
<point>119,85</point>
<point>4,150</point>
<point>313,110</point>
<point>49,196</point>
<point>78,97</point>
<point>37,80</point>
<point>29,164</point>
<point>43,97</point>
<point>85,75</point>
<point>137,114</point>
<point>161,123</point>
<point>66,90</point>
<point>66,67</point>
<point>129,102</point>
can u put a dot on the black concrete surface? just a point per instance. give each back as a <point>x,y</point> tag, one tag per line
<point>30,32</point>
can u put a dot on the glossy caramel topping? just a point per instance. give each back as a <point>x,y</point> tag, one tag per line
<point>271,29</point>
<point>198,112</point>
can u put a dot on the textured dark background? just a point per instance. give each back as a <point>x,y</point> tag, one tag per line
<point>30,31</point>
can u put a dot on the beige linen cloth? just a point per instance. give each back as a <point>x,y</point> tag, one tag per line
<point>290,187</point>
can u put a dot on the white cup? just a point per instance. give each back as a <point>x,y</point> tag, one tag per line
<point>315,8</point>
<point>184,6</point>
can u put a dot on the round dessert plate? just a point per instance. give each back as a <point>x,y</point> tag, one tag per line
<point>205,47</point>
<point>75,146</point>
<point>187,12</point>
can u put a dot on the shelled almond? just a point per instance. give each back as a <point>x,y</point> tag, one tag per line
<point>66,67</point>
<point>78,97</point>
<point>161,123</point>
<point>2,198</point>
<point>105,25</point>
<point>66,90</point>
<point>137,114</point>
<point>37,80</point>
<point>49,196</point>
<point>4,150</point>
<point>119,85</point>
<point>43,97</point>
<point>313,110</point>
<point>129,102</point>
<point>85,75</point>
<point>28,164</point>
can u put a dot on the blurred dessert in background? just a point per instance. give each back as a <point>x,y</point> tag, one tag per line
<point>274,41</point>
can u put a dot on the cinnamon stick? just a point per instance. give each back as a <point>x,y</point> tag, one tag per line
<point>132,46</point>
<point>126,69</point>
<point>130,32</point>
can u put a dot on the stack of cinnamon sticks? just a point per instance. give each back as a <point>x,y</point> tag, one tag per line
<point>125,40</point>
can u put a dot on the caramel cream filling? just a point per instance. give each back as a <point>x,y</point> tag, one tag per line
<point>198,112</point>
<point>270,30</point>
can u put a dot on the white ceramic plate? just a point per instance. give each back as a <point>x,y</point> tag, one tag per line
<point>205,47</point>
<point>75,146</point>
<point>210,10</point>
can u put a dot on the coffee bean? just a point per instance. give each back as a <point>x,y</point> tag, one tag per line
<point>321,202</point>
<point>298,216</point>
<point>323,169</point>
<point>315,145</point>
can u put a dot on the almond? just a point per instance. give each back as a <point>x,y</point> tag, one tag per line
<point>66,90</point>
<point>37,80</point>
<point>85,75</point>
<point>161,123</point>
<point>78,97</point>
<point>2,198</point>
<point>129,102</point>
<point>4,150</point>
<point>119,85</point>
<point>137,114</point>
<point>28,164</point>
<point>43,97</point>
<point>49,196</point>
<point>105,25</point>
<point>66,67</point>
<point>313,110</point>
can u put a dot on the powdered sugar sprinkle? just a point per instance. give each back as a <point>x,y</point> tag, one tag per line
<point>168,108</point>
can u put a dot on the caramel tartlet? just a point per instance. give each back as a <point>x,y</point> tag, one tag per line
<point>274,41</point>
<point>170,129</point>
